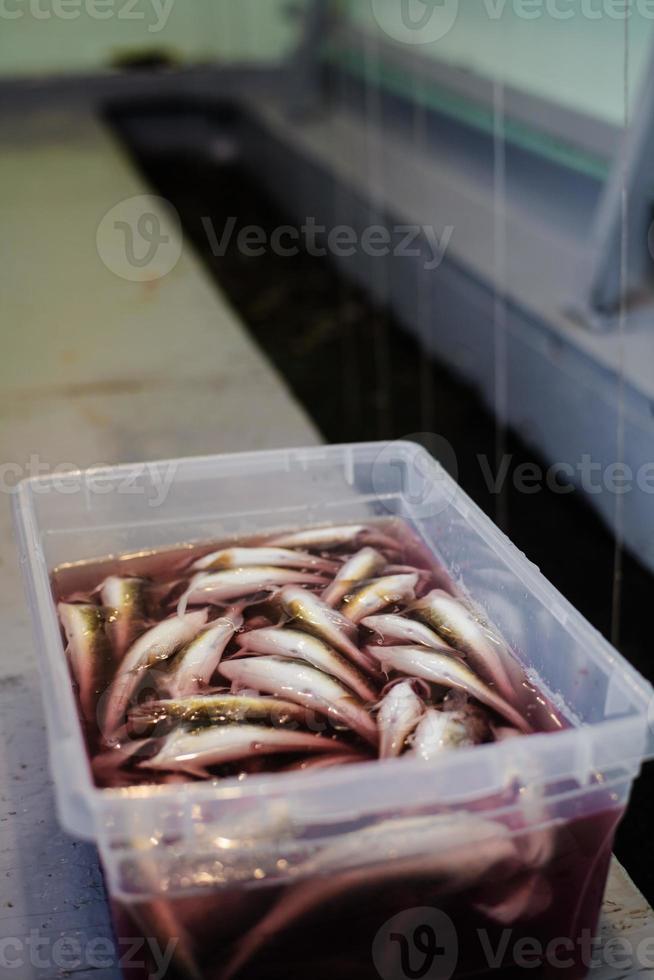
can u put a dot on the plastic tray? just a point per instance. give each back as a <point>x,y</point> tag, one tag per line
<point>154,840</point>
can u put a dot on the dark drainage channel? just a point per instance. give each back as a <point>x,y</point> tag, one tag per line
<point>360,376</point>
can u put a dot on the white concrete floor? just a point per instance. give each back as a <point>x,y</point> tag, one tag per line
<point>94,368</point>
<point>98,369</point>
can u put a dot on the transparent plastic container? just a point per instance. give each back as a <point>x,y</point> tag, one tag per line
<point>346,866</point>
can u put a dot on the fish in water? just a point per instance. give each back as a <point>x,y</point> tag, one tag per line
<point>311,688</point>
<point>399,712</point>
<point>525,897</point>
<point>456,624</point>
<point>164,928</point>
<point>440,731</point>
<point>218,709</point>
<point>89,651</point>
<point>264,556</point>
<point>108,765</point>
<point>361,566</point>
<point>297,645</point>
<point>154,646</point>
<point>327,761</point>
<point>393,628</point>
<point>452,852</point>
<point>193,666</point>
<point>319,619</point>
<point>333,536</point>
<point>314,616</point>
<point>124,602</point>
<point>221,587</point>
<point>446,671</point>
<point>195,750</point>
<point>378,594</point>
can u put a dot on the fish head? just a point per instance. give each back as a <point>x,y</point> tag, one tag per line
<point>294,602</point>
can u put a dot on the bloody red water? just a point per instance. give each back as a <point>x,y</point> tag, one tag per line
<point>398,929</point>
<point>166,575</point>
<point>448,913</point>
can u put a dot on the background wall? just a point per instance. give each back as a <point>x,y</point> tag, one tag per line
<point>576,60</point>
<point>43,36</point>
<point>568,51</point>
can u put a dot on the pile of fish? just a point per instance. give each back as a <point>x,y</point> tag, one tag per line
<point>308,649</point>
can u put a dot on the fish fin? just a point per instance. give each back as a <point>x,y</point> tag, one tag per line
<point>200,771</point>
<point>182,605</point>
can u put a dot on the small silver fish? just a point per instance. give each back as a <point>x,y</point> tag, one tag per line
<point>89,650</point>
<point>320,537</point>
<point>124,601</point>
<point>439,731</point>
<point>358,568</point>
<point>393,628</point>
<point>378,594</point>
<point>271,557</point>
<point>194,751</point>
<point>524,898</point>
<point>302,646</point>
<point>218,709</point>
<point>194,664</point>
<point>475,718</point>
<point>334,536</point>
<point>485,652</point>
<point>452,852</point>
<point>298,682</point>
<point>160,921</point>
<point>408,570</point>
<point>446,671</point>
<point>220,587</point>
<point>327,762</point>
<point>329,625</point>
<point>108,763</point>
<point>399,712</point>
<point>529,893</point>
<point>158,644</point>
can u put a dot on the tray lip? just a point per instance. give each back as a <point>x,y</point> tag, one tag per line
<point>81,802</point>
